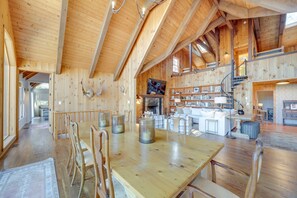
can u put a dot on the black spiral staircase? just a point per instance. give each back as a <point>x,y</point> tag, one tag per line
<point>229,83</point>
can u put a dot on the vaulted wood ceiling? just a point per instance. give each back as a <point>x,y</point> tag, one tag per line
<point>91,29</point>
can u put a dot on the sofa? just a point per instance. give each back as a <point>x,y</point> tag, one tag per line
<point>209,120</point>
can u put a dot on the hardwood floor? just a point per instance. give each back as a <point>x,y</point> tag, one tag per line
<point>278,175</point>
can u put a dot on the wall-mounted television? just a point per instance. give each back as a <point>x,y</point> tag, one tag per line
<point>156,86</point>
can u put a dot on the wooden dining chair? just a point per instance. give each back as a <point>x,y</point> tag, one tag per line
<point>202,187</point>
<point>105,185</point>
<point>70,161</point>
<point>83,160</point>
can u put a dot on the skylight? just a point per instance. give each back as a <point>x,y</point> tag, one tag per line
<point>202,49</point>
<point>291,19</point>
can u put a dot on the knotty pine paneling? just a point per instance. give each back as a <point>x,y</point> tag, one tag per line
<point>36,27</point>
<point>68,95</point>
<point>271,69</point>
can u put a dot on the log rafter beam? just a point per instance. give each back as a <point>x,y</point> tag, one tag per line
<point>205,46</point>
<point>229,24</point>
<point>257,32</point>
<point>243,12</point>
<point>181,29</point>
<point>282,6</point>
<point>130,45</point>
<point>204,25</point>
<point>101,38</point>
<point>63,20</point>
<point>147,38</point>
<point>199,54</point>
<point>282,24</point>
<point>219,21</point>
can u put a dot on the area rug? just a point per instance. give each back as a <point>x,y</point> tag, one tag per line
<point>37,180</point>
<point>279,140</point>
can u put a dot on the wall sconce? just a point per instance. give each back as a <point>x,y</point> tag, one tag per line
<point>226,54</point>
<point>138,99</point>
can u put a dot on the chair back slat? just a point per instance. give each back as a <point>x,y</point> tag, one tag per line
<point>256,170</point>
<point>67,124</point>
<point>100,150</point>
<point>74,131</point>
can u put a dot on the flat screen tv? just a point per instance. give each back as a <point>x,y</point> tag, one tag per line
<point>156,86</point>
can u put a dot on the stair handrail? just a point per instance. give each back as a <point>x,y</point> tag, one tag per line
<point>232,87</point>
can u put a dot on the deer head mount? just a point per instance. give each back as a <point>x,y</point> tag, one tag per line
<point>89,92</point>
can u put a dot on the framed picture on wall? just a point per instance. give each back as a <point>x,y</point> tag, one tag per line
<point>294,106</point>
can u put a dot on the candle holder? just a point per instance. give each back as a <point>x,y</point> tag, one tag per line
<point>146,130</point>
<point>103,119</point>
<point>118,124</point>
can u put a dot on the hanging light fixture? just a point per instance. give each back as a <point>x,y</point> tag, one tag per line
<point>140,9</point>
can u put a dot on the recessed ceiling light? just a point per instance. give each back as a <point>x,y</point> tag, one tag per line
<point>283,83</point>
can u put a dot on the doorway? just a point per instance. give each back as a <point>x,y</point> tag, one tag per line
<point>266,104</point>
<point>33,99</point>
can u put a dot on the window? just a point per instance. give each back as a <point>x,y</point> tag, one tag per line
<point>6,106</point>
<point>175,67</point>
<point>291,19</point>
<point>202,49</point>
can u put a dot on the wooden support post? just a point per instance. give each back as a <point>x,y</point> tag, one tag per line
<point>250,39</point>
<point>217,38</point>
<point>190,56</point>
<point>282,24</point>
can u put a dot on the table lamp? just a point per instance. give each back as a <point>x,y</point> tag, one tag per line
<point>260,105</point>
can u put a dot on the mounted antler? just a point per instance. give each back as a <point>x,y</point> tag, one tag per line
<point>99,90</point>
<point>89,93</point>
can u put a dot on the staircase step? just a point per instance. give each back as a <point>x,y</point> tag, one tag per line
<point>240,77</point>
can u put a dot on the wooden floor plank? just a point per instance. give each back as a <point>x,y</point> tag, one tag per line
<point>278,175</point>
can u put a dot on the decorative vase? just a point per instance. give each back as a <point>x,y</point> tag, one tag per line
<point>103,119</point>
<point>118,124</point>
<point>146,130</point>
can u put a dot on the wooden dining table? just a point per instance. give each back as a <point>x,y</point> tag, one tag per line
<point>160,169</point>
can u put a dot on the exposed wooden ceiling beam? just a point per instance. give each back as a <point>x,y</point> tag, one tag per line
<point>229,24</point>
<point>63,20</point>
<point>215,24</point>
<point>29,75</point>
<point>101,38</point>
<point>148,35</point>
<point>204,25</point>
<point>130,44</point>
<point>205,46</point>
<point>199,52</point>
<point>282,6</point>
<point>181,29</point>
<point>282,24</point>
<point>243,12</point>
<point>208,43</point>
<point>257,31</point>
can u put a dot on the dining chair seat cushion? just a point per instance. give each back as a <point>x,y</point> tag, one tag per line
<point>210,188</point>
<point>83,146</point>
<point>88,158</point>
<point>119,189</point>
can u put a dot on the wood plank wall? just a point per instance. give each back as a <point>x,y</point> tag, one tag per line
<point>163,71</point>
<point>276,68</point>
<point>271,69</point>
<point>69,96</point>
<point>5,22</point>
